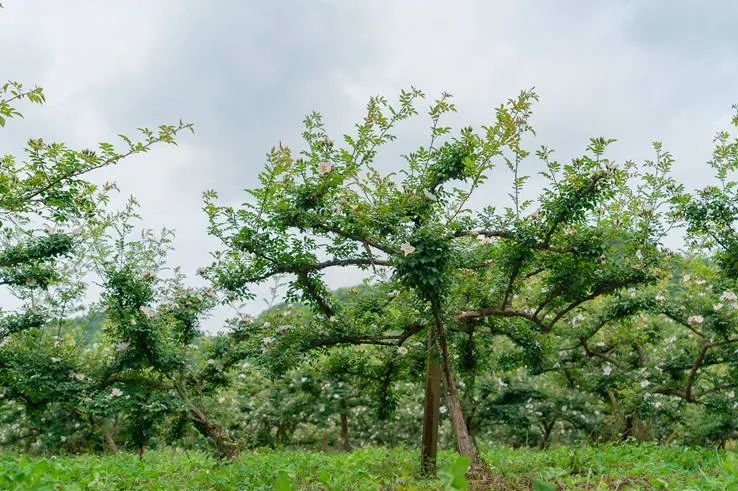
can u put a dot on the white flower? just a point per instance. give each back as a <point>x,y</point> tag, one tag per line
<point>200,271</point>
<point>645,383</point>
<point>283,329</point>
<point>245,317</point>
<point>54,359</point>
<point>485,239</point>
<point>333,318</point>
<point>607,369</point>
<point>639,255</point>
<point>266,325</point>
<point>267,341</point>
<point>133,322</point>
<point>79,376</point>
<point>402,350</point>
<point>728,296</point>
<point>443,409</point>
<point>121,346</point>
<point>686,278</point>
<point>695,319</point>
<point>407,248</point>
<point>577,319</point>
<point>718,306</point>
<point>324,168</point>
<point>660,298</point>
<point>430,196</point>
<point>501,382</point>
<point>144,310</point>
<point>701,282</point>
<point>657,404</point>
<point>731,394</point>
<point>671,339</point>
<point>116,392</point>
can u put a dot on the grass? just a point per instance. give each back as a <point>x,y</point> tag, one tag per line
<point>610,467</point>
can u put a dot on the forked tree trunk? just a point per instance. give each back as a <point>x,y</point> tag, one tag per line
<point>431,408</point>
<point>464,442</point>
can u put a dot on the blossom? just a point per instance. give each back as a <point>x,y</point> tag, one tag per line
<point>324,168</point>
<point>121,346</point>
<point>144,310</point>
<point>79,376</point>
<point>115,392</point>
<point>200,271</point>
<point>443,409</point>
<point>728,296</point>
<point>245,317</point>
<point>283,329</point>
<point>695,319</point>
<point>607,369</point>
<point>659,298</point>
<point>718,306</point>
<point>731,394</point>
<point>430,195</point>
<point>402,350</point>
<point>577,319</point>
<point>485,239</point>
<point>407,248</point>
<point>645,383</point>
<point>267,341</point>
<point>54,359</point>
<point>332,318</point>
<point>639,255</point>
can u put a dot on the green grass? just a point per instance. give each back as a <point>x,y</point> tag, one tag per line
<point>611,467</point>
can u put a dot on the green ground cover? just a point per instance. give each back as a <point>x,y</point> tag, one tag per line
<point>621,467</point>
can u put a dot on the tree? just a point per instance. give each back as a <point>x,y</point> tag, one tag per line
<point>463,271</point>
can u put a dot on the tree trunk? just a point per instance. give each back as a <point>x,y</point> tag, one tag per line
<point>464,442</point>
<point>344,427</point>
<point>546,428</point>
<point>109,442</point>
<point>431,409</point>
<point>206,427</point>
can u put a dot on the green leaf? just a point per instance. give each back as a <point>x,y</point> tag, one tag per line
<point>543,486</point>
<point>283,482</point>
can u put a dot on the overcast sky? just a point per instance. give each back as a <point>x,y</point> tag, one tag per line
<point>246,72</point>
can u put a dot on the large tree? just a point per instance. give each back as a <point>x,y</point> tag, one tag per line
<point>424,231</point>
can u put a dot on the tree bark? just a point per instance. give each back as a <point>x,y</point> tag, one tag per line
<point>345,442</point>
<point>206,427</point>
<point>109,442</point>
<point>546,428</point>
<point>431,409</point>
<point>465,445</point>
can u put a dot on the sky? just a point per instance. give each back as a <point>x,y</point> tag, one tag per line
<point>246,72</point>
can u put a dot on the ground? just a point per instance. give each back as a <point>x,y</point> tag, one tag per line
<point>611,467</point>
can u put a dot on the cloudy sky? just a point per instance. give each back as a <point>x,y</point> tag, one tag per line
<point>246,72</point>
